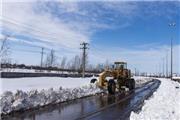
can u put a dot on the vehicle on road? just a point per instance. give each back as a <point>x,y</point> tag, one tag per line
<point>120,78</point>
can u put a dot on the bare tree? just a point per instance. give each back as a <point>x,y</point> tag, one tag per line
<point>75,63</point>
<point>68,65</point>
<point>51,59</point>
<point>4,50</point>
<point>63,62</point>
<point>106,65</point>
<point>99,67</point>
<point>90,67</point>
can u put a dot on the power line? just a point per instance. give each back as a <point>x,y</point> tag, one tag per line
<point>23,42</point>
<point>36,46</point>
<point>32,28</point>
<point>30,51</point>
<point>25,26</point>
<point>23,50</point>
<point>17,23</point>
<point>27,45</point>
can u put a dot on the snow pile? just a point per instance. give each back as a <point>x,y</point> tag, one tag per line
<point>164,104</point>
<point>18,70</point>
<point>39,83</point>
<point>26,100</point>
<point>26,93</point>
<point>176,77</point>
<point>139,80</point>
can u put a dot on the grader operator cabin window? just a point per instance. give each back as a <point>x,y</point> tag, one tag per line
<point>120,65</point>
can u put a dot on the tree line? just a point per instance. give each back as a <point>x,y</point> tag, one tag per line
<point>50,61</point>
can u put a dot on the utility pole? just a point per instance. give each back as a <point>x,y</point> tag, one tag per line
<point>159,69</point>
<point>156,70</point>
<point>172,25</point>
<point>42,53</point>
<point>171,59</point>
<point>167,64</point>
<point>84,48</point>
<point>163,67</point>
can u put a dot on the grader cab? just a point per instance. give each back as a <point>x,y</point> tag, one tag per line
<point>120,78</point>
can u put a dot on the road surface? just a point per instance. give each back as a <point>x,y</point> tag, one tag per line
<point>99,107</point>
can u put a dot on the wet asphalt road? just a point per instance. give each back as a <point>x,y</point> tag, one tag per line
<point>99,107</point>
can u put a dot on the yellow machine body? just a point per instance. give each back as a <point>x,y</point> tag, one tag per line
<point>120,77</point>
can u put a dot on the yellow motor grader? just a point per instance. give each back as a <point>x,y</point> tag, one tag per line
<point>120,78</point>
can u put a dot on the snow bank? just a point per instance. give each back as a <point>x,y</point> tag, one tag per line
<point>25,100</point>
<point>26,93</point>
<point>163,105</point>
<point>139,80</point>
<point>176,79</point>
<point>39,83</point>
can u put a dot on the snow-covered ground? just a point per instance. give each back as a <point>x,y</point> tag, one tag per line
<point>26,93</point>
<point>141,80</point>
<point>163,105</point>
<point>39,83</point>
<point>176,78</point>
<point>32,71</point>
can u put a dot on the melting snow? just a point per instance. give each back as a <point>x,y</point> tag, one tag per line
<point>39,83</point>
<point>27,93</point>
<point>25,100</point>
<point>141,80</point>
<point>163,105</point>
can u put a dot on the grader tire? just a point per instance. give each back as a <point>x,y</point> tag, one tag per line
<point>131,84</point>
<point>111,87</point>
<point>93,80</point>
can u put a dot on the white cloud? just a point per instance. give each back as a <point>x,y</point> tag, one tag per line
<point>1,36</point>
<point>144,60</point>
<point>20,18</point>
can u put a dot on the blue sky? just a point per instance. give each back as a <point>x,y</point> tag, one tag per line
<point>136,32</point>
